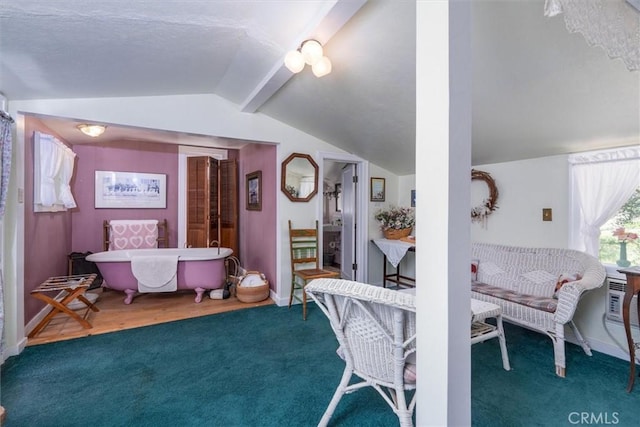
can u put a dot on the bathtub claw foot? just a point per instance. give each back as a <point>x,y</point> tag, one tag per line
<point>199,293</point>
<point>130,293</point>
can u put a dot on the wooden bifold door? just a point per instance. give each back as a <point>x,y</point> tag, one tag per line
<point>212,203</point>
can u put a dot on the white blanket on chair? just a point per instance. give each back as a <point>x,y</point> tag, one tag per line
<point>155,273</point>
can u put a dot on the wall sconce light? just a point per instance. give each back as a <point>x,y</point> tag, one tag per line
<point>310,52</point>
<point>93,131</point>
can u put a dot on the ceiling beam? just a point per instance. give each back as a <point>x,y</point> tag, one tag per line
<point>322,28</point>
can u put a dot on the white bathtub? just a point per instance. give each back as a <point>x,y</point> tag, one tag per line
<point>199,269</point>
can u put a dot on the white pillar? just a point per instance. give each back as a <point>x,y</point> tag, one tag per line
<point>443,156</point>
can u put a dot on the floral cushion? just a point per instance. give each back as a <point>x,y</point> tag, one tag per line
<point>410,375</point>
<point>410,367</point>
<point>475,262</point>
<point>540,303</point>
<point>564,279</point>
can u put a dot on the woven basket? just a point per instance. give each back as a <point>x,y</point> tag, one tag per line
<point>251,294</point>
<point>393,234</point>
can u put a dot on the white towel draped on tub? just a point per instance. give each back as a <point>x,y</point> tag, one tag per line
<point>155,273</point>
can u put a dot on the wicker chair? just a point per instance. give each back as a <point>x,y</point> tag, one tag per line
<point>305,262</point>
<point>376,330</point>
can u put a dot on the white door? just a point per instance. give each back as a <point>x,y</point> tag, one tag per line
<point>348,234</point>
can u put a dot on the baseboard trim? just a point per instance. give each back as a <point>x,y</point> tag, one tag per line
<point>607,348</point>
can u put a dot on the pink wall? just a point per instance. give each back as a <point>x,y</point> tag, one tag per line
<point>258,228</point>
<point>50,237</point>
<point>47,236</point>
<point>126,156</point>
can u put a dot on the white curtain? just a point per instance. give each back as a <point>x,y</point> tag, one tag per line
<point>5,168</point>
<point>64,178</point>
<point>55,162</point>
<point>307,184</point>
<point>50,163</point>
<point>603,181</point>
<point>613,25</point>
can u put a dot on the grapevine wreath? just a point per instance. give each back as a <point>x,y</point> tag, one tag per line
<point>480,213</point>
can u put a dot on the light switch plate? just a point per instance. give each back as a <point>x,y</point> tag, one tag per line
<point>547,214</point>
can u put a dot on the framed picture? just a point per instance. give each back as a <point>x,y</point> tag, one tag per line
<point>254,191</point>
<point>130,190</point>
<point>377,189</point>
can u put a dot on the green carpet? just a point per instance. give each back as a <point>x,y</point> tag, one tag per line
<point>267,367</point>
<point>531,394</point>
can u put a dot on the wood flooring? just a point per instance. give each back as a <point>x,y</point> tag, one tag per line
<point>146,309</point>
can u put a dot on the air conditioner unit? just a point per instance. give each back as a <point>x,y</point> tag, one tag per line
<point>615,297</point>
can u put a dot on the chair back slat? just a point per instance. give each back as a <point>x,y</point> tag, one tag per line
<point>303,243</point>
<point>305,262</point>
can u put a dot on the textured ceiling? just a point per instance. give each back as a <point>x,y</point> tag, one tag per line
<point>537,89</point>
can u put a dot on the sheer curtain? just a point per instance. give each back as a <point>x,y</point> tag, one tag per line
<point>613,25</point>
<point>64,178</point>
<point>307,184</point>
<point>50,163</point>
<point>54,164</point>
<point>5,152</point>
<point>602,182</point>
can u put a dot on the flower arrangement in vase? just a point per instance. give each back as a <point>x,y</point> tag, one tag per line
<point>396,222</point>
<point>623,238</point>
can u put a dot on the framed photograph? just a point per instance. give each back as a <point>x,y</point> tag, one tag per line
<point>130,190</point>
<point>254,191</point>
<point>377,189</point>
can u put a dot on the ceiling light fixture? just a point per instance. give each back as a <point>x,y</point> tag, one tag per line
<point>93,131</point>
<point>310,52</point>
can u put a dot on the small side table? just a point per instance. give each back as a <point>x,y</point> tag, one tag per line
<point>632,288</point>
<point>394,251</point>
<point>482,331</point>
<point>72,287</point>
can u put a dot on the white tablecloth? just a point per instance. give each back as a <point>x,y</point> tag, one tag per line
<point>395,250</point>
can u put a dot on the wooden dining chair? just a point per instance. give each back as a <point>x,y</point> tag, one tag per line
<point>305,262</point>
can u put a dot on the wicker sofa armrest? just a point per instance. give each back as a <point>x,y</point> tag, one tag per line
<point>569,295</point>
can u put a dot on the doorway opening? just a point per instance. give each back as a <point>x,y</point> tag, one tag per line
<point>343,213</point>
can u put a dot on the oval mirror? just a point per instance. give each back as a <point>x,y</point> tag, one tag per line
<point>299,178</point>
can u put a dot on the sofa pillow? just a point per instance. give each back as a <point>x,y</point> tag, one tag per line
<point>475,262</point>
<point>564,279</point>
<point>490,269</point>
<point>539,283</point>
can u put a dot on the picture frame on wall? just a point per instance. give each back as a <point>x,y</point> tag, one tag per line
<point>377,189</point>
<point>128,190</point>
<point>254,191</point>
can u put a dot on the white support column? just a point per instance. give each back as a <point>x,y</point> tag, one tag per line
<point>443,156</point>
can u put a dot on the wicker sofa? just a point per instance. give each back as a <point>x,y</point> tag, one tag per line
<point>538,288</point>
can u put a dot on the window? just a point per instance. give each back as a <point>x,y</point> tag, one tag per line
<point>604,186</point>
<point>628,218</point>
<point>53,164</point>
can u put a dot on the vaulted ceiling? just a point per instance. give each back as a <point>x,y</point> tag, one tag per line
<point>538,90</point>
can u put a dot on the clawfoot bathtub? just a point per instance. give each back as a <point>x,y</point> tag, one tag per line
<point>199,269</point>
